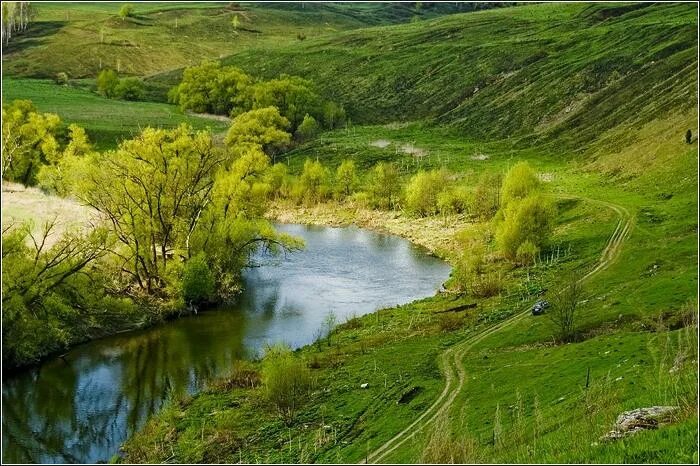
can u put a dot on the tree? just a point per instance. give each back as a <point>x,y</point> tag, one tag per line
<point>107,82</point>
<point>29,140</point>
<point>211,88</point>
<point>263,127</point>
<point>15,18</point>
<point>520,181</point>
<point>197,280</point>
<point>314,181</point>
<point>307,129</point>
<point>486,199</point>
<point>129,89</point>
<point>61,78</point>
<point>61,176</point>
<point>383,185</point>
<point>529,220</point>
<point>333,115</point>
<point>286,380</point>
<point>235,22</point>
<point>293,96</point>
<point>346,179</point>
<point>564,306</point>
<point>423,189</point>
<point>126,11</point>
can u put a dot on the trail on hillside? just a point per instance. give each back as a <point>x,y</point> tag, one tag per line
<point>450,360</point>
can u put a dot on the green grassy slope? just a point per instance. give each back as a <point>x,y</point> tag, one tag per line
<point>568,72</point>
<point>107,121</point>
<point>80,38</point>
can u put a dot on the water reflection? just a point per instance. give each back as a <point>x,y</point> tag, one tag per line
<point>82,407</point>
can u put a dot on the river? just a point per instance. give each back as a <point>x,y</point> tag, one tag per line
<point>81,408</point>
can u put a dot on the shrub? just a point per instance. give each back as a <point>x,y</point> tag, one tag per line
<point>528,220</point>
<point>243,375</point>
<point>286,380</point>
<point>307,128</point>
<point>450,321</point>
<point>453,200</point>
<point>526,253</point>
<point>211,88</point>
<point>564,306</point>
<point>126,11</point>
<point>333,115</point>
<point>197,280</point>
<point>263,127</point>
<point>61,78</point>
<point>422,191</point>
<point>107,81</point>
<point>486,198</point>
<point>383,185</point>
<point>314,182</point>
<point>520,182</point>
<point>129,89</point>
<point>346,179</point>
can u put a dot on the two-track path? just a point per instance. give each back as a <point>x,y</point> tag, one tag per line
<point>451,360</point>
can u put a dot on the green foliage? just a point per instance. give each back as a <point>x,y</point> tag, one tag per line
<point>526,253</point>
<point>126,11</point>
<point>422,192</point>
<point>487,196</point>
<point>520,181</point>
<point>314,182</point>
<point>61,78</point>
<point>383,187</point>
<point>529,220</point>
<point>564,307</point>
<point>54,295</point>
<point>29,140</point>
<point>453,200</point>
<point>61,176</point>
<point>211,88</point>
<point>287,382</point>
<point>107,82</point>
<point>263,127</point>
<point>197,280</point>
<point>333,115</point>
<point>346,179</point>
<point>129,89</point>
<point>293,96</point>
<point>307,129</point>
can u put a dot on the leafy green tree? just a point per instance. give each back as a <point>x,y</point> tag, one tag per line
<point>307,129</point>
<point>211,88</point>
<point>486,200</point>
<point>286,380</point>
<point>529,220</point>
<point>126,11</point>
<point>383,185</point>
<point>293,96</point>
<point>333,115</point>
<point>564,306</point>
<point>61,176</point>
<point>520,181</point>
<point>62,78</point>
<point>197,280</point>
<point>129,89</point>
<point>235,22</point>
<point>527,253</point>
<point>107,82</point>
<point>314,181</point>
<point>423,189</point>
<point>263,127</point>
<point>29,140</point>
<point>346,179</point>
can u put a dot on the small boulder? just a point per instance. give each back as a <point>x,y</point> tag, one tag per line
<point>638,419</point>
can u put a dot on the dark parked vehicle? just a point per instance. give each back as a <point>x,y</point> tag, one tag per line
<point>539,307</point>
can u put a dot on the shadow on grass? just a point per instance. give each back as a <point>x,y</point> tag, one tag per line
<point>33,36</point>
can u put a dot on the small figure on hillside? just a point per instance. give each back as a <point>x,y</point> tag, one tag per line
<point>688,137</point>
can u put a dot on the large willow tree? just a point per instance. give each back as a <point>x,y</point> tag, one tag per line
<point>171,195</point>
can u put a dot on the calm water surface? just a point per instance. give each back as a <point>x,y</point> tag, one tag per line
<point>82,407</point>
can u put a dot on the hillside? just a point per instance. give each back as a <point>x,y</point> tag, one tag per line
<point>564,72</point>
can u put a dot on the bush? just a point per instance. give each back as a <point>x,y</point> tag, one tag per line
<point>529,220</point>
<point>107,82</point>
<point>129,89</point>
<point>422,192</point>
<point>61,78</point>
<point>307,129</point>
<point>126,11</point>
<point>197,280</point>
<point>263,127</point>
<point>564,306</point>
<point>526,253</point>
<point>287,382</point>
<point>383,186</point>
<point>486,198</point>
<point>333,115</point>
<point>453,200</point>
<point>314,182</point>
<point>450,321</point>
<point>345,179</point>
<point>520,182</point>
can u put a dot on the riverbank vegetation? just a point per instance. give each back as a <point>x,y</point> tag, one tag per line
<point>545,143</point>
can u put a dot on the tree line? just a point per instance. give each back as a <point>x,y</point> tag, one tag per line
<point>16,17</point>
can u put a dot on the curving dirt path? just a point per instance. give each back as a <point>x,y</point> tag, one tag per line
<point>450,360</point>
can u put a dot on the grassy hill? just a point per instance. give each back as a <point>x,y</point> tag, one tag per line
<point>560,72</point>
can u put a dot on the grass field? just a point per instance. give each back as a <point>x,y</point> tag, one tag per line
<point>107,121</point>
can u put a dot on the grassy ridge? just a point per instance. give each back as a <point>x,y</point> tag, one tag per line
<point>537,70</point>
